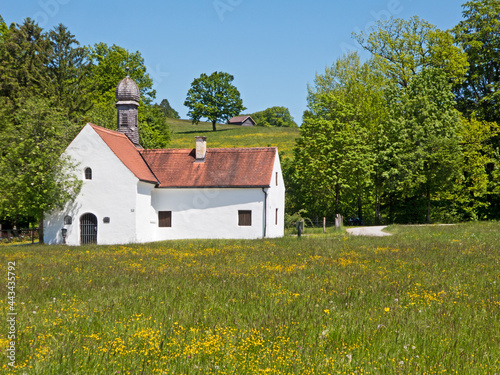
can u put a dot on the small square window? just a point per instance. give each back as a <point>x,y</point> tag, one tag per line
<point>106,220</point>
<point>244,218</point>
<point>164,219</point>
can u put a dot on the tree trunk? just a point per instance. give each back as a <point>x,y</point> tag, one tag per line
<point>428,206</point>
<point>40,231</point>
<point>360,208</point>
<point>337,198</point>
<point>213,126</point>
<point>377,210</point>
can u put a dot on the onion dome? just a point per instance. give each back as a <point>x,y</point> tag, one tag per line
<point>127,91</point>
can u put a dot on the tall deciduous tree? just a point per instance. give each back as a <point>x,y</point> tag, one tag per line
<point>34,178</point>
<point>334,155</point>
<point>213,97</point>
<point>109,67</point>
<point>154,131</point>
<point>479,36</point>
<point>405,47</point>
<point>470,192</point>
<point>420,149</point>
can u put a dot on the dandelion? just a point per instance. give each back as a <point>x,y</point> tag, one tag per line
<point>387,309</point>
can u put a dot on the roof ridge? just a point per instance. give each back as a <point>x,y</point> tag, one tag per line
<point>223,149</point>
<point>109,131</point>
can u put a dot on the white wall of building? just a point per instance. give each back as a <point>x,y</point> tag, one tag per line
<point>276,203</point>
<point>146,217</point>
<point>208,213</point>
<point>112,193</point>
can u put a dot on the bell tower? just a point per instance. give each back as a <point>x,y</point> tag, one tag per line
<point>127,102</point>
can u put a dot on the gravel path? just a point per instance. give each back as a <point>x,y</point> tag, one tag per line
<point>368,231</point>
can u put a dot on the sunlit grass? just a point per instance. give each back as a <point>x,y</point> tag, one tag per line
<point>424,301</point>
<point>232,136</point>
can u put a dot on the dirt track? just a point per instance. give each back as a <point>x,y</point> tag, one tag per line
<point>368,231</point>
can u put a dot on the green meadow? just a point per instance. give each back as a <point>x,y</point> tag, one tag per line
<point>424,301</point>
<point>183,133</point>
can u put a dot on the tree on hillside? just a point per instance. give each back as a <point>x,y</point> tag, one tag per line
<point>274,116</point>
<point>167,109</point>
<point>479,36</point>
<point>213,97</point>
<point>405,47</point>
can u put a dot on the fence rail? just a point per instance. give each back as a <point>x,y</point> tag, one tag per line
<point>18,234</point>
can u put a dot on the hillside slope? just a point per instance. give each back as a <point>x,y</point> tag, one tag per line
<point>227,136</point>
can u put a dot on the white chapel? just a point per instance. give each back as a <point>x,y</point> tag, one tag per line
<point>133,195</point>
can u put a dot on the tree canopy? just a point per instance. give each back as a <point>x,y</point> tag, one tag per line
<point>405,47</point>
<point>334,153</point>
<point>213,97</point>
<point>274,116</point>
<point>479,35</point>
<point>34,178</point>
<point>108,67</point>
<point>167,109</point>
<point>384,139</point>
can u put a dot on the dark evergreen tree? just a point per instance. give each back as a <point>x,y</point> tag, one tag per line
<point>69,68</point>
<point>167,109</point>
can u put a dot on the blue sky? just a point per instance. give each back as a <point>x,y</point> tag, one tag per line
<point>273,48</point>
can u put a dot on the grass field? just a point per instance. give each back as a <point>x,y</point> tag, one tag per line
<point>232,136</point>
<point>424,301</point>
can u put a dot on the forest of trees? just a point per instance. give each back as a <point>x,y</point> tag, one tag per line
<point>411,135</point>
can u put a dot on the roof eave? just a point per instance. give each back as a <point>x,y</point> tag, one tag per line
<point>215,187</point>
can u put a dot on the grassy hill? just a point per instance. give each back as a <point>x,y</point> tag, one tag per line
<point>228,136</point>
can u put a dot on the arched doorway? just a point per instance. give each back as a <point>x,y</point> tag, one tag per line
<point>88,229</point>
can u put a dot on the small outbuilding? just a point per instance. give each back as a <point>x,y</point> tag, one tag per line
<point>242,120</point>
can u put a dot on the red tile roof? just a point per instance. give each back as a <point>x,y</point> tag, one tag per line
<point>178,168</point>
<point>126,152</point>
<point>223,167</point>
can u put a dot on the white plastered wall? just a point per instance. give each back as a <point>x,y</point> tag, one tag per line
<point>208,213</point>
<point>112,193</point>
<point>276,201</point>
